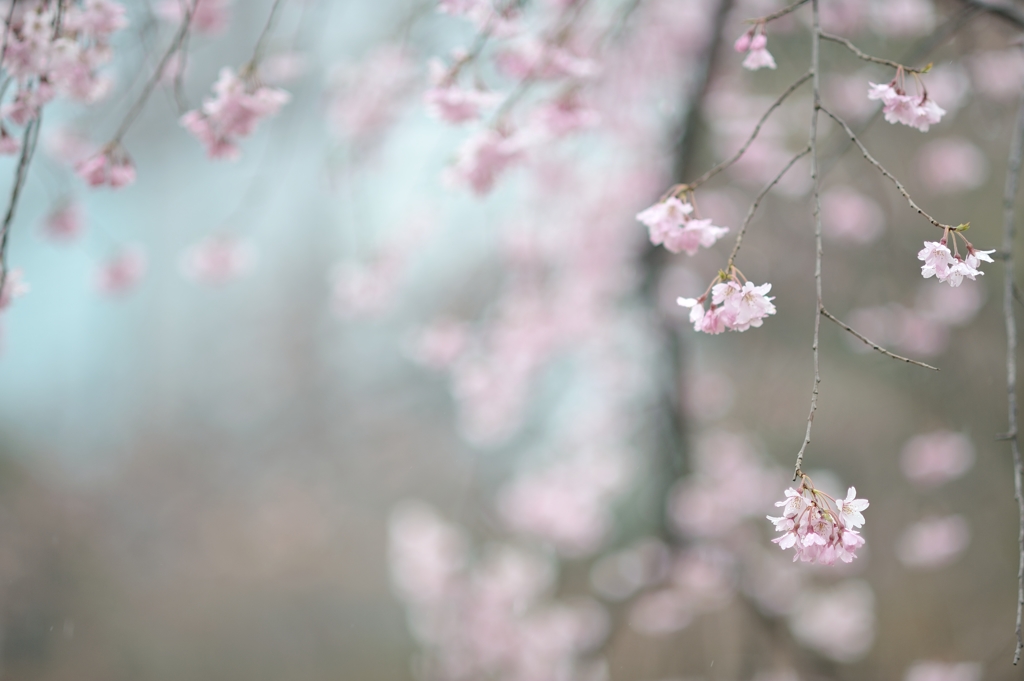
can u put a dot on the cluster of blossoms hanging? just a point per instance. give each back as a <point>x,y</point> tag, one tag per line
<point>238,105</point>
<point>671,223</point>
<point>755,44</point>
<point>949,267</point>
<point>734,306</point>
<point>819,528</point>
<point>917,111</point>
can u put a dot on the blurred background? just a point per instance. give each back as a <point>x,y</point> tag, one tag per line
<point>354,407</point>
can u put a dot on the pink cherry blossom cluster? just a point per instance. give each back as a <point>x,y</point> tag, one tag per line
<point>551,58</point>
<point>208,16</point>
<point>918,111</point>
<point>947,266</point>
<point>734,306</point>
<point>491,615</point>
<point>111,167</point>
<point>364,99</point>
<point>672,223</point>
<point>51,52</point>
<point>755,44</point>
<point>238,105</point>
<point>819,528</point>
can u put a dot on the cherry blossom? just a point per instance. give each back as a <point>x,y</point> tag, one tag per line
<point>937,260</point>
<point>217,259</point>
<point>64,222</point>
<point>756,47</point>
<point>112,167</point>
<point>484,156</point>
<point>14,287</point>
<point>925,670</point>
<point>234,112</point>
<point>734,306</point>
<point>936,458</point>
<point>122,272</point>
<point>899,107</point>
<point>670,223</point>
<point>838,622</point>
<point>933,542</point>
<point>818,527</point>
<point>208,16</point>
<point>455,104</point>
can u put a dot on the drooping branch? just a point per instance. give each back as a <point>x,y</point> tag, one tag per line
<point>750,140</point>
<point>871,159</point>
<point>28,149</point>
<point>757,202</point>
<point>1009,218</point>
<point>867,57</point>
<point>158,72</point>
<point>875,346</point>
<point>781,13</point>
<point>816,190</point>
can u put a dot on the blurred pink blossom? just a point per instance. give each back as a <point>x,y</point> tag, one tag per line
<point>934,458</point>
<point>902,18</point>
<point>952,164</point>
<point>64,222</point>
<point>208,16</point>
<point>933,542</point>
<point>14,287</point>
<point>838,622</point>
<point>122,272</point>
<point>217,259</point>
<point>925,670</point>
<point>849,216</point>
<point>997,74</point>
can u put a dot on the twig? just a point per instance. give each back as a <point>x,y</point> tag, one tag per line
<point>1009,196</point>
<point>881,169</point>
<point>816,184</point>
<point>1003,11</point>
<point>867,57</point>
<point>757,202</point>
<point>753,135</point>
<point>257,53</point>
<point>158,72</point>
<point>876,346</point>
<point>781,13</point>
<point>28,148</point>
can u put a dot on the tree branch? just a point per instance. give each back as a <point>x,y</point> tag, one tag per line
<point>876,346</point>
<point>1009,197</point>
<point>816,184</point>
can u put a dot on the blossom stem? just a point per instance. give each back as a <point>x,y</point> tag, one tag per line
<point>881,169</point>
<point>158,73</point>
<point>261,42</point>
<point>28,148</point>
<point>876,346</point>
<point>867,57</point>
<point>757,202</point>
<point>1009,218</point>
<point>816,190</point>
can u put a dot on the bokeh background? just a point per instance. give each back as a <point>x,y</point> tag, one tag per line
<point>432,434</point>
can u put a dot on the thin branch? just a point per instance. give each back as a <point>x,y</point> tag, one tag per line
<point>876,346</point>
<point>257,53</point>
<point>757,129</point>
<point>158,72</point>
<point>1001,10</point>
<point>816,184</point>
<point>1009,196</point>
<point>881,169</point>
<point>757,202</point>
<point>867,57</point>
<point>781,13</point>
<point>28,148</point>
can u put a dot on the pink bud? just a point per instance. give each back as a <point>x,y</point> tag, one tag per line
<point>742,43</point>
<point>759,42</point>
